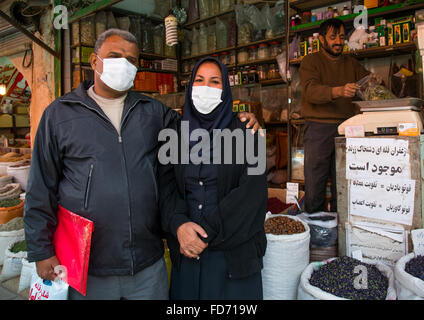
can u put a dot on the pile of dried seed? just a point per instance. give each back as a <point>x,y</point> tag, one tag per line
<point>283,225</point>
<point>338,278</point>
<point>415,267</point>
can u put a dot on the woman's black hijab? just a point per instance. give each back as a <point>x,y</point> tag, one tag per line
<point>221,116</point>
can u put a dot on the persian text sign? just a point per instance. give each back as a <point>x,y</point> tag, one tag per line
<point>383,199</point>
<point>377,158</point>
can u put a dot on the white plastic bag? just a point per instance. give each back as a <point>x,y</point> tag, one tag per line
<point>6,238</point>
<point>26,274</point>
<point>357,39</point>
<point>306,291</point>
<point>285,258</point>
<point>408,287</point>
<point>46,289</point>
<point>12,264</point>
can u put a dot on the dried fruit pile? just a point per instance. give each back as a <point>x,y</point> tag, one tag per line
<point>283,225</point>
<point>275,205</point>
<point>415,267</point>
<point>338,278</point>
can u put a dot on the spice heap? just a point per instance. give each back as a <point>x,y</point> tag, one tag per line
<point>283,225</point>
<point>338,278</point>
<point>11,157</point>
<point>19,246</point>
<point>9,203</point>
<point>275,205</point>
<point>415,267</point>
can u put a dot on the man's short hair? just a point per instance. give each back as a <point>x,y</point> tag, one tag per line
<point>335,24</point>
<point>114,32</point>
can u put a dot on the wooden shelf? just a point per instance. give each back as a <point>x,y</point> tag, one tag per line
<point>156,71</point>
<point>153,56</point>
<point>297,121</point>
<point>377,52</point>
<point>207,19</point>
<point>272,82</point>
<point>372,13</point>
<point>197,56</point>
<point>305,5</point>
<point>281,37</point>
<point>263,61</point>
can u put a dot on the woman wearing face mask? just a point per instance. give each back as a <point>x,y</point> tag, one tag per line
<point>216,237</point>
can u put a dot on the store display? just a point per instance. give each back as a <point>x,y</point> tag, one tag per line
<point>212,37</point>
<point>214,7</point>
<point>203,39</point>
<point>193,12</point>
<point>203,8</point>
<point>221,34</point>
<point>88,36</point>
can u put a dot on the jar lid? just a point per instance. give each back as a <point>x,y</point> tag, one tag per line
<point>225,52</point>
<point>252,47</point>
<point>274,42</point>
<point>263,45</point>
<point>316,34</point>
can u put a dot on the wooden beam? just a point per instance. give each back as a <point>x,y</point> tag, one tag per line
<point>29,35</point>
<point>97,6</point>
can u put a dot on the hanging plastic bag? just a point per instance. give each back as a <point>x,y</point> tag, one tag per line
<point>258,23</point>
<point>195,42</point>
<point>371,91</point>
<point>245,28</point>
<point>203,39</point>
<point>47,290</point>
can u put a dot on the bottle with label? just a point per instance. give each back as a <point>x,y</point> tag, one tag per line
<point>303,46</point>
<point>315,43</point>
<point>231,78</point>
<point>382,33</point>
<point>346,46</point>
<point>390,41</point>
<point>329,13</point>
<point>310,44</point>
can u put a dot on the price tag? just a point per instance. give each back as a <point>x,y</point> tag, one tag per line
<point>409,129</point>
<point>354,131</point>
<point>292,192</point>
<point>418,241</point>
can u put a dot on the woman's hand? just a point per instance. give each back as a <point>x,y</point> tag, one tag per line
<point>243,116</point>
<point>188,237</point>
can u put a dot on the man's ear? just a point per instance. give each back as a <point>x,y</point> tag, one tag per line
<point>93,61</point>
<point>321,39</point>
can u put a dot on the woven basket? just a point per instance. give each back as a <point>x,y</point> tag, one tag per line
<point>7,214</point>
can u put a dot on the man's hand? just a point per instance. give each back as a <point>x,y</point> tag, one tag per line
<point>243,116</point>
<point>188,237</point>
<point>347,91</point>
<point>45,268</point>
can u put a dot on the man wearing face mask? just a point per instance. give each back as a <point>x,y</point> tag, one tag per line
<point>328,80</point>
<point>95,153</point>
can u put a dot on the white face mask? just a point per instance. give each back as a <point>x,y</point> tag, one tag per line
<point>118,73</point>
<point>206,99</point>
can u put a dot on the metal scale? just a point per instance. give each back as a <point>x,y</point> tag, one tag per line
<point>391,116</point>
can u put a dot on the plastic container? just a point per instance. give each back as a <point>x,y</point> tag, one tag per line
<point>275,48</point>
<point>273,72</point>
<point>225,58</point>
<point>263,72</point>
<point>242,56</point>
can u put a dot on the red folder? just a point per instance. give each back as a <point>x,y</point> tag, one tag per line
<point>72,242</point>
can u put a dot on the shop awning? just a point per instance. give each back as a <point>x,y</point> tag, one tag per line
<point>12,41</point>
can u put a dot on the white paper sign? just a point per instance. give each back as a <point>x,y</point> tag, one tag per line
<point>377,158</point>
<point>389,199</point>
<point>418,241</point>
<point>292,192</point>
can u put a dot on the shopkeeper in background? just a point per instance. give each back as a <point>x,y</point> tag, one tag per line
<point>328,80</point>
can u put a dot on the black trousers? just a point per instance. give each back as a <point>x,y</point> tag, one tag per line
<point>319,165</point>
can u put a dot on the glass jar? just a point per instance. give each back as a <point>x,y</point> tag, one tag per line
<point>275,48</point>
<point>232,58</point>
<point>263,51</point>
<point>273,72</point>
<point>253,75</point>
<point>253,53</point>
<point>263,72</point>
<point>242,56</point>
<point>225,58</point>
<point>224,5</point>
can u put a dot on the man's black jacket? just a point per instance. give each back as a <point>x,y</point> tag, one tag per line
<point>81,162</point>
